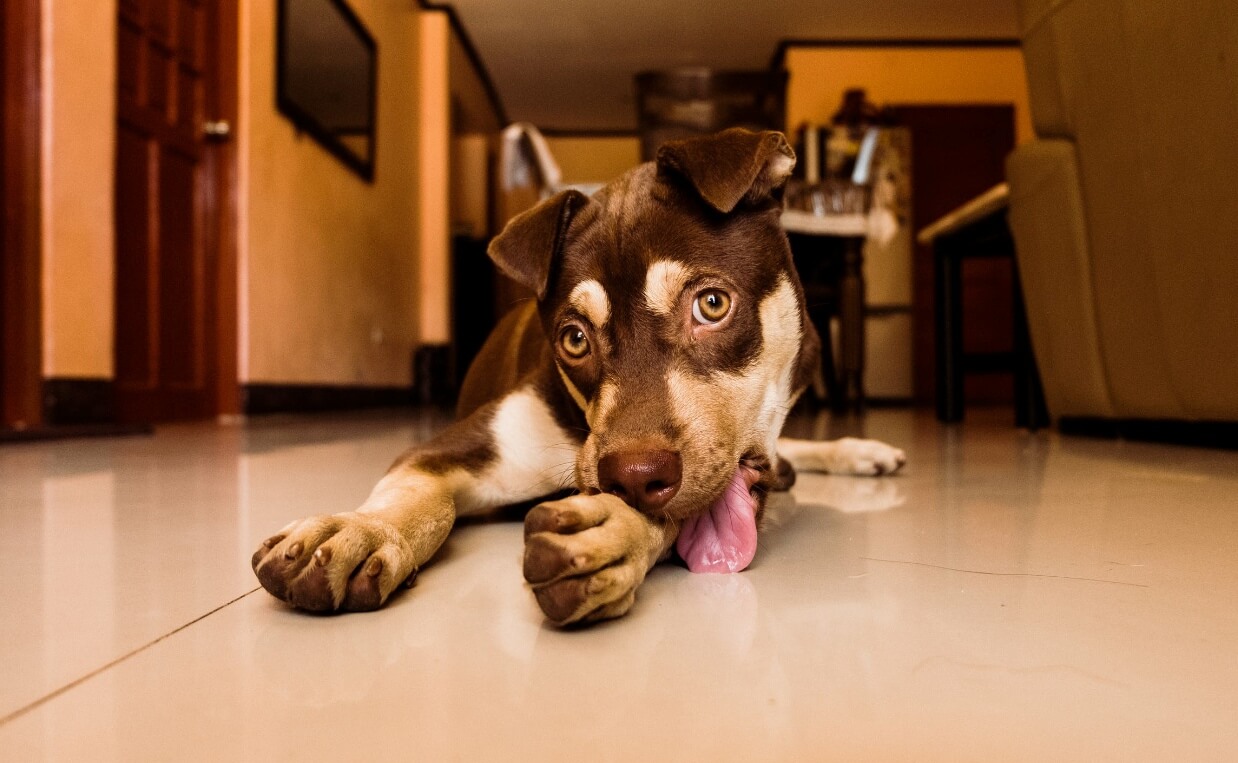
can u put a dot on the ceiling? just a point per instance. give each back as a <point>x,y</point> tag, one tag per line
<point>568,65</point>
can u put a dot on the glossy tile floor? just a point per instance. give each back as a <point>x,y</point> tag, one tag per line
<point>1010,597</point>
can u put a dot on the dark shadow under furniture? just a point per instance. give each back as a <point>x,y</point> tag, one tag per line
<point>979,230</point>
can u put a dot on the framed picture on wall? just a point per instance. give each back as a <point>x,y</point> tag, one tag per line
<point>326,78</point>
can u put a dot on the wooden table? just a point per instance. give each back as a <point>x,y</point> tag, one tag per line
<point>979,229</point>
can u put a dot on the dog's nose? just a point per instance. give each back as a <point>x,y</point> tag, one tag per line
<point>646,480</point>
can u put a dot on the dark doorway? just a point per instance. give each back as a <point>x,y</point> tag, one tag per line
<point>957,153</point>
<point>20,297</point>
<point>175,198</point>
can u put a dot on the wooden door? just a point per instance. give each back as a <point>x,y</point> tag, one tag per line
<point>957,153</point>
<point>168,250</point>
<point>21,309</point>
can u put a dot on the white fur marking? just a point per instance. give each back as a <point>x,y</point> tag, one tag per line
<point>664,281</point>
<point>590,299</point>
<point>781,337</point>
<point>751,404</point>
<point>535,456</point>
<point>572,389</point>
<point>780,167</point>
<point>602,404</point>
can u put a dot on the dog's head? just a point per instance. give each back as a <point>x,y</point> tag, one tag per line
<point>676,319</point>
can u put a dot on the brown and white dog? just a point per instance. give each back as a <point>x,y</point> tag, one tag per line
<point>653,375</point>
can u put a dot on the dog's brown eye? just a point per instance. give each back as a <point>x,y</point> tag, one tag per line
<point>711,306</point>
<point>574,342</point>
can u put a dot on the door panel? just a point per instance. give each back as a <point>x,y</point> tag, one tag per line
<point>134,282</point>
<point>21,337</point>
<point>180,274</point>
<point>165,299</point>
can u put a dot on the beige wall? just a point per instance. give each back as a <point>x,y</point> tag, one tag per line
<point>594,160</point>
<point>470,191</point>
<point>79,62</point>
<point>433,171</point>
<point>906,75</point>
<point>328,262</point>
<point>458,128</point>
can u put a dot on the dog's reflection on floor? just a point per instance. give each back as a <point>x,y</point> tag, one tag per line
<point>848,495</point>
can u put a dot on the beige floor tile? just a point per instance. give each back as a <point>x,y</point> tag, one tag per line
<point>1010,597</point>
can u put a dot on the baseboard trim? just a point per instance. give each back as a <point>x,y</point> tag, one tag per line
<point>259,399</point>
<point>71,402</point>
<point>73,432</point>
<point>1207,434</point>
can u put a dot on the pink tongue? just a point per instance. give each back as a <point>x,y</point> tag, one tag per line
<point>723,539</point>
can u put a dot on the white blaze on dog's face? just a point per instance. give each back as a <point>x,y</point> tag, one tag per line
<point>681,329</point>
<point>750,404</point>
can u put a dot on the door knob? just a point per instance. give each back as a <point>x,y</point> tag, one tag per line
<point>217,128</point>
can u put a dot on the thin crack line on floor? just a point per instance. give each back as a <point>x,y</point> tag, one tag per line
<point>1027,670</point>
<point>78,682</point>
<point>1005,574</point>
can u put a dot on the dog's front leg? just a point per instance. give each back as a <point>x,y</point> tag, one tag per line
<point>585,556</point>
<point>507,452</point>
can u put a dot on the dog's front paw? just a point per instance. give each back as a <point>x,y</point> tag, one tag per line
<point>585,556</point>
<point>866,458</point>
<point>349,562</point>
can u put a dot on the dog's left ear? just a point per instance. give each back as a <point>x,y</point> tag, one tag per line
<point>732,166</point>
<point>527,247</point>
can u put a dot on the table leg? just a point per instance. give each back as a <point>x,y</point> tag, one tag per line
<point>851,325</point>
<point>949,308</point>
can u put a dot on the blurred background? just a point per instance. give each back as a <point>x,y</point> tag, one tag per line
<point>219,207</point>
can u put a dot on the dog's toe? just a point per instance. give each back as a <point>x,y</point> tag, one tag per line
<point>582,558</point>
<point>264,550</point>
<point>326,564</point>
<point>311,590</point>
<point>868,458</point>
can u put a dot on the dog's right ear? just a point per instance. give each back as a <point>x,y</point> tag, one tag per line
<point>527,247</point>
<point>732,166</point>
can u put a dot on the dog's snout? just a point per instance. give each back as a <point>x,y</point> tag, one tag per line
<point>645,480</point>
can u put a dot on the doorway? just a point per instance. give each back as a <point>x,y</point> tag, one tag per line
<point>175,210</point>
<point>959,151</point>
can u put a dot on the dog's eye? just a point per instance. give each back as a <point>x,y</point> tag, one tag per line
<point>574,342</point>
<point>711,306</point>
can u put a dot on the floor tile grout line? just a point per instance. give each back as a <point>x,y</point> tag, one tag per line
<point>104,668</point>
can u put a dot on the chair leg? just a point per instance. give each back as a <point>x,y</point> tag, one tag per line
<point>827,387</point>
<point>833,386</point>
<point>851,324</point>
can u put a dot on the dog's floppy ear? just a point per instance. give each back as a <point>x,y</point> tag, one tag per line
<point>526,248</point>
<point>732,166</point>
